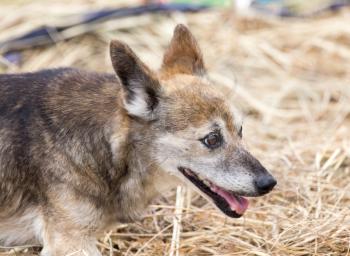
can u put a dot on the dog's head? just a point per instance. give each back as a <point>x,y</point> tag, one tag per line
<point>196,132</point>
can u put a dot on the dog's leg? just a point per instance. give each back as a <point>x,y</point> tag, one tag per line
<point>70,225</point>
<point>75,243</point>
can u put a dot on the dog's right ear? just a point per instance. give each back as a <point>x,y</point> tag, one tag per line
<point>140,84</point>
<point>183,56</point>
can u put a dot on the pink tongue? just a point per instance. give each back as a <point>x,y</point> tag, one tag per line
<point>237,203</point>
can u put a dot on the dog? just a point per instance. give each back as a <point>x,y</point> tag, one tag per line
<point>81,151</point>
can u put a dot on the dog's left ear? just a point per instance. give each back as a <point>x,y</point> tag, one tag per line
<point>140,84</point>
<point>183,55</point>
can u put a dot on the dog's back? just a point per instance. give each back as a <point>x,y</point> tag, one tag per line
<point>20,124</point>
<point>37,115</point>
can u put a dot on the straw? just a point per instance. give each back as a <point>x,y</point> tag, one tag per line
<point>290,78</point>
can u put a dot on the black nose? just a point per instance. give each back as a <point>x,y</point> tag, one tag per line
<point>265,184</point>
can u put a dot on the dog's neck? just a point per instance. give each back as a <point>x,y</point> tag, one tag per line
<point>144,180</point>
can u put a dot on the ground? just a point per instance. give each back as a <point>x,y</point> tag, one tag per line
<point>291,79</point>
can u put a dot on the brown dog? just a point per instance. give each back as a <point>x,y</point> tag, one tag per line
<point>80,151</point>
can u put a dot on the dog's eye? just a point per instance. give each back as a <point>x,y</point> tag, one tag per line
<point>212,140</point>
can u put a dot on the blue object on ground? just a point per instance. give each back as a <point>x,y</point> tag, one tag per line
<point>42,35</point>
<point>282,9</point>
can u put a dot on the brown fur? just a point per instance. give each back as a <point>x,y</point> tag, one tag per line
<point>81,151</point>
<point>183,55</point>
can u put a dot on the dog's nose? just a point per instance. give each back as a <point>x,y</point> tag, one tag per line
<point>265,184</point>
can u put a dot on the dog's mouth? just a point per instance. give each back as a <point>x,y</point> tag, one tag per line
<point>228,202</point>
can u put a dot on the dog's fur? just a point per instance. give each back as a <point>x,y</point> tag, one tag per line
<point>80,151</point>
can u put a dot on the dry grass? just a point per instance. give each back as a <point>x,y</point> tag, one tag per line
<point>292,81</point>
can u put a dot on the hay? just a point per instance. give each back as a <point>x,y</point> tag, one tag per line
<point>292,81</point>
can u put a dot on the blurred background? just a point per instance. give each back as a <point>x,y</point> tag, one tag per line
<point>289,64</point>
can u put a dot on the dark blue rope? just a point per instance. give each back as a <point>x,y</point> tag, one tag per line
<point>41,35</point>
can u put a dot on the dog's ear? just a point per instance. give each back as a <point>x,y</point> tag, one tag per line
<point>140,84</point>
<point>183,54</point>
